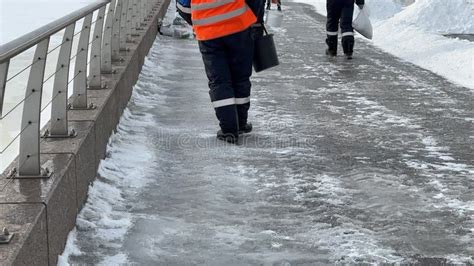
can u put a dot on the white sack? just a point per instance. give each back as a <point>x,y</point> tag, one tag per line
<point>362,24</point>
<point>274,18</point>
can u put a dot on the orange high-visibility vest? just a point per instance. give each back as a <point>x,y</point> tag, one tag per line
<point>217,18</point>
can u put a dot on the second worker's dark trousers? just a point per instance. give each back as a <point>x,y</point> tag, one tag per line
<point>339,14</point>
<point>228,64</point>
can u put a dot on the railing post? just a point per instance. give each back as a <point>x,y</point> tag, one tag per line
<point>123,26</point>
<point>142,12</point>
<point>150,6</point>
<point>106,66</point>
<point>95,77</point>
<point>59,122</point>
<point>153,8</point>
<point>136,17</point>
<point>80,69</point>
<point>29,159</point>
<point>3,81</point>
<point>129,24</point>
<point>147,9</point>
<point>116,31</point>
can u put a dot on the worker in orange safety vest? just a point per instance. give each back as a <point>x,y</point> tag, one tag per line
<point>224,29</point>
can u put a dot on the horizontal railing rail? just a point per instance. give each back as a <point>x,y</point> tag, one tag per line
<point>107,27</point>
<point>27,41</point>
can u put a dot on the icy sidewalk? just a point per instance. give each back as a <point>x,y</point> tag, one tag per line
<point>369,160</point>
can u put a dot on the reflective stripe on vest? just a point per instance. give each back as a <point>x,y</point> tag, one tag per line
<point>214,4</point>
<point>186,10</point>
<point>219,18</point>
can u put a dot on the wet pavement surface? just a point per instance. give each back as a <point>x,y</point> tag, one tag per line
<point>362,161</point>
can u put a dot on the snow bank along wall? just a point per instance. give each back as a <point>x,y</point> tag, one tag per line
<point>41,212</point>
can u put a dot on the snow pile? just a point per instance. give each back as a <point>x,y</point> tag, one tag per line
<point>454,16</point>
<point>383,9</point>
<point>414,33</point>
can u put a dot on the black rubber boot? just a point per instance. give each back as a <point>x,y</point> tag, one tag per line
<point>348,46</point>
<point>228,137</point>
<point>247,128</point>
<point>331,41</point>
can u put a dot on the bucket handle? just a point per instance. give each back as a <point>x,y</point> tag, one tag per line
<point>265,29</point>
<point>261,24</point>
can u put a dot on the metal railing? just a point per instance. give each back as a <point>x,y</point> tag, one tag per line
<point>116,23</point>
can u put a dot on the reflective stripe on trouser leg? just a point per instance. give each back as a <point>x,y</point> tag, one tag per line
<point>223,102</point>
<point>240,101</point>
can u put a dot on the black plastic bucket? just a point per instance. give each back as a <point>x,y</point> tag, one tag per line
<point>265,54</point>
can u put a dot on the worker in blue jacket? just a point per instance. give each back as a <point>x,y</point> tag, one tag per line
<point>340,12</point>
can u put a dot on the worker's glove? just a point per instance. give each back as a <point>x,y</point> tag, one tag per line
<point>256,31</point>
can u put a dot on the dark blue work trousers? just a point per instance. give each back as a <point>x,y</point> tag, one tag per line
<point>228,64</point>
<point>339,11</point>
<point>339,14</point>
